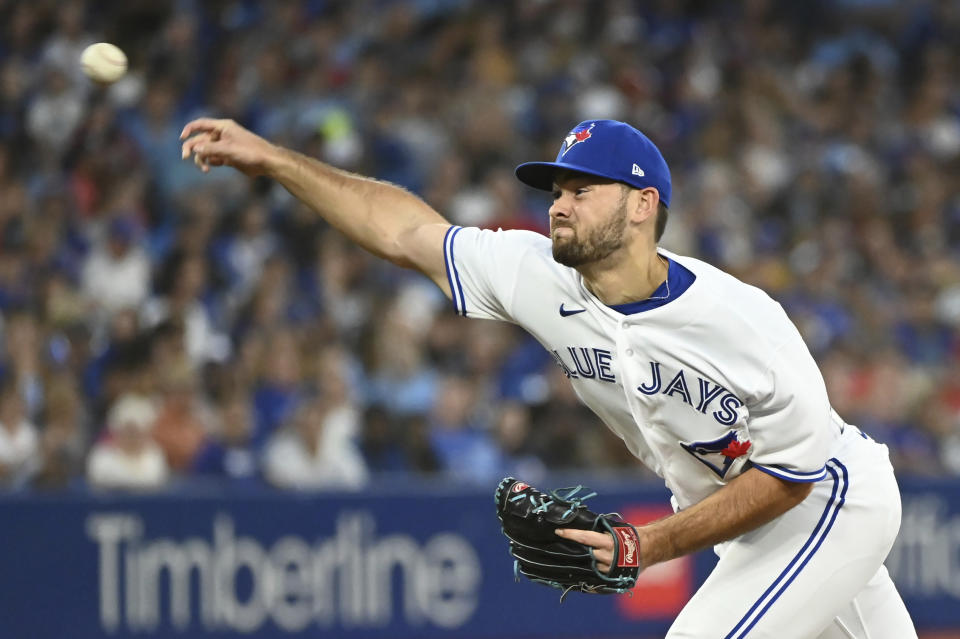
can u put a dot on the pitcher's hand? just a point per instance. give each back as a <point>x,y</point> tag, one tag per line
<point>224,142</point>
<point>601,542</point>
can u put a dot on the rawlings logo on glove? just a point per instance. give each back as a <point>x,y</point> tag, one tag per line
<point>529,519</point>
<point>628,543</point>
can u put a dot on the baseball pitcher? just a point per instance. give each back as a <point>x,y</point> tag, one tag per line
<point>704,378</point>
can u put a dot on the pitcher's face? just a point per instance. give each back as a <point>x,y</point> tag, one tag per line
<point>588,219</point>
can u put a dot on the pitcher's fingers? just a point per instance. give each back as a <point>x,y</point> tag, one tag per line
<point>587,537</point>
<point>202,125</point>
<point>208,148</point>
<point>188,146</point>
<point>604,559</point>
<point>201,164</point>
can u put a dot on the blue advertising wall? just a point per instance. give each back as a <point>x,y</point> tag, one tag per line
<point>406,561</point>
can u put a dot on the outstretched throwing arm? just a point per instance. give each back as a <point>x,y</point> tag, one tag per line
<point>386,220</point>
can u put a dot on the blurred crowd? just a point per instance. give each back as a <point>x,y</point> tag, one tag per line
<point>160,324</point>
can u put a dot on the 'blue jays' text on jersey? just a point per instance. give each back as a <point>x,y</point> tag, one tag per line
<point>698,387</point>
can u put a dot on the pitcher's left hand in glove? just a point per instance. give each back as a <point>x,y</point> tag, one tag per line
<point>608,561</point>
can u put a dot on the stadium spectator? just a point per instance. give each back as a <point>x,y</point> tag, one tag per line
<point>462,441</point>
<point>68,40</point>
<point>279,387</point>
<point>55,113</point>
<point>183,303</point>
<point>397,374</point>
<point>65,437</point>
<point>311,454</point>
<point>23,345</point>
<point>116,273</point>
<point>558,434</point>
<point>228,453</point>
<point>124,355</point>
<point>244,253</point>
<point>380,442</point>
<point>268,304</point>
<point>19,440</point>
<point>181,425</point>
<point>336,379</point>
<point>514,440</point>
<point>127,457</point>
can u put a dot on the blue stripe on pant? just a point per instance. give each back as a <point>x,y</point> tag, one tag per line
<point>840,482</point>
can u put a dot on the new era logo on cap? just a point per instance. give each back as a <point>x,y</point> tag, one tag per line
<point>605,148</point>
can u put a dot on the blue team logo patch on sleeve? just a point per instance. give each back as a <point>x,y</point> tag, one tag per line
<point>718,454</point>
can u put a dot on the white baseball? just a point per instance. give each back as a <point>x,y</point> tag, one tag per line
<point>103,62</point>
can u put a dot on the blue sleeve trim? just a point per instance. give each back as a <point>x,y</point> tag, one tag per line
<point>792,475</point>
<point>456,273</point>
<point>456,292</point>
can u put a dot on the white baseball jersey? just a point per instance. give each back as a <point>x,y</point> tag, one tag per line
<point>696,388</point>
<point>703,380</point>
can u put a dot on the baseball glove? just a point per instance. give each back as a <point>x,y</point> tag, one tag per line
<point>529,518</point>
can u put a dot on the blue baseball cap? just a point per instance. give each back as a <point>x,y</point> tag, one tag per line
<point>122,229</point>
<point>606,148</point>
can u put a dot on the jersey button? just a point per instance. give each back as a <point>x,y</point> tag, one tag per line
<point>629,352</point>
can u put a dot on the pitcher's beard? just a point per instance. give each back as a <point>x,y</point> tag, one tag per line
<point>598,244</point>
